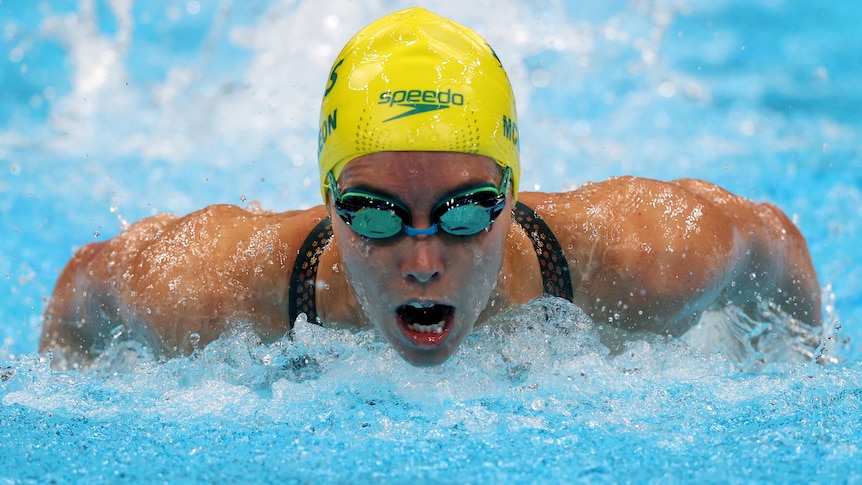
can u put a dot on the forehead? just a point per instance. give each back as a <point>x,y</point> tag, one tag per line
<point>404,173</point>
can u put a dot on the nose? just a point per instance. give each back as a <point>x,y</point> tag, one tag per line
<point>424,259</point>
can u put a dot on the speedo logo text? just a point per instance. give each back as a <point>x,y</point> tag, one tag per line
<point>418,101</point>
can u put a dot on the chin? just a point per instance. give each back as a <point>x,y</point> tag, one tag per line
<point>426,358</point>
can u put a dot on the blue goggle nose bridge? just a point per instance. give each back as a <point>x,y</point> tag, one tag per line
<point>412,231</point>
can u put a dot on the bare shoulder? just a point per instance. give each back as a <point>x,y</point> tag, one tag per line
<point>684,210</point>
<point>165,277</point>
<point>665,250</point>
<point>642,229</point>
<point>749,214</point>
<point>640,213</point>
<point>167,241</point>
<point>217,260</point>
<point>226,228</point>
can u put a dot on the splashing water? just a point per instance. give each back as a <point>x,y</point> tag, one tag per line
<point>322,402</point>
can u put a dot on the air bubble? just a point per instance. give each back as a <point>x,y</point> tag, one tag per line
<point>193,8</point>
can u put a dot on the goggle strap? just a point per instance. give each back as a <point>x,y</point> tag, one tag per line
<point>333,186</point>
<point>504,183</point>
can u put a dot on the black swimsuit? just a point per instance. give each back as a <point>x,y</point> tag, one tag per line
<point>555,271</point>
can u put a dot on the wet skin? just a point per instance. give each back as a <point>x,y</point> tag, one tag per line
<point>643,255</point>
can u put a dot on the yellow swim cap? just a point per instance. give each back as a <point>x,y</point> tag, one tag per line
<point>415,81</point>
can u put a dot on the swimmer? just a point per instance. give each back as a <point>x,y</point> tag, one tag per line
<point>423,233</point>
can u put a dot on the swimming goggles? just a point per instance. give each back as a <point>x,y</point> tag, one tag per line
<point>379,217</point>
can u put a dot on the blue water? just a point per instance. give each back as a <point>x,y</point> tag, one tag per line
<point>115,110</point>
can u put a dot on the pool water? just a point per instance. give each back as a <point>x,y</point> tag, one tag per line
<point>116,110</point>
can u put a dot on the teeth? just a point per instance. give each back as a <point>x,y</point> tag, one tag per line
<point>436,328</point>
<point>421,304</point>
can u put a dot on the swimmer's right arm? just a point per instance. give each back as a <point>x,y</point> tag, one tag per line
<point>167,277</point>
<point>84,307</point>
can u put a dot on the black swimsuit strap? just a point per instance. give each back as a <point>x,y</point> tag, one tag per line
<point>555,270</point>
<point>301,298</point>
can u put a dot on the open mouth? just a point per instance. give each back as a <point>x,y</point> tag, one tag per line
<point>426,324</point>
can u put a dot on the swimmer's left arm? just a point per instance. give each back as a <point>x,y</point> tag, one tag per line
<point>776,264</point>
<point>651,255</point>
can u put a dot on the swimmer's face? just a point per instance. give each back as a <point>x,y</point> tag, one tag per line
<point>408,285</point>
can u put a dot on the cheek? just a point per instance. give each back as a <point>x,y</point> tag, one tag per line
<point>363,265</point>
<point>356,256</point>
<point>481,262</point>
